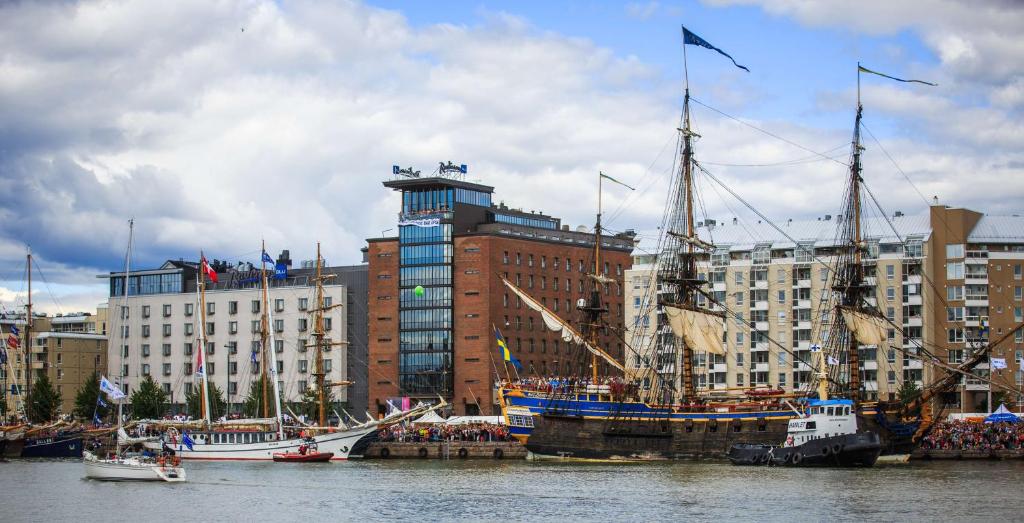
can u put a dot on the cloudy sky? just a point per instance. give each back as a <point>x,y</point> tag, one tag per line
<point>217,123</point>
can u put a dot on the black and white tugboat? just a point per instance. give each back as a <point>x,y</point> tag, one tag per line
<point>826,436</point>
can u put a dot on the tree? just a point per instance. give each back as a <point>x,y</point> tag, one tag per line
<point>310,403</point>
<point>86,399</point>
<point>908,392</point>
<point>44,403</point>
<point>149,401</point>
<point>253,405</point>
<point>218,407</point>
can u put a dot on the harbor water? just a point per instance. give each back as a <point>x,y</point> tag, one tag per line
<point>490,490</point>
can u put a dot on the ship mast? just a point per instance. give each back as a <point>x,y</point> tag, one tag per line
<point>689,260</point>
<point>28,333</point>
<point>205,391</point>
<point>595,295</point>
<point>855,288</point>
<point>318,334</point>
<point>264,330</point>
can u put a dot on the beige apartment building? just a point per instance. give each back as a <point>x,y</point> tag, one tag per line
<point>950,279</point>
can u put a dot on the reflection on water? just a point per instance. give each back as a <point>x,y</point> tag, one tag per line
<point>507,490</point>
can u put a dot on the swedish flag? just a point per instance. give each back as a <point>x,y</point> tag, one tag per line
<point>506,354</point>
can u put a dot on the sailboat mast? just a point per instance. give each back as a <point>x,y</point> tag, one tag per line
<point>207,416</point>
<point>28,332</point>
<point>318,334</point>
<point>855,288</point>
<point>124,317</point>
<point>264,330</point>
<point>596,299</point>
<point>689,260</point>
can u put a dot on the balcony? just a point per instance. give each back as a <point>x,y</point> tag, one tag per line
<point>869,365</point>
<point>976,385</point>
<point>760,306</point>
<point>801,304</point>
<point>760,367</point>
<point>801,366</point>
<point>759,347</point>
<point>912,321</point>
<point>803,284</point>
<point>872,301</point>
<point>761,326</point>
<point>913,299</point>
<point>718,286</point>
<point>976,300</point>
<point>759,284</point>
<point>912,279</point>
<point>802,324</point>
<point>976,279</point>
<point>719,367</point>
<point>803,345</point>
<point>39,365</point>
<point>870,386</point>
<point>871,281</point>
<point>912,363</point>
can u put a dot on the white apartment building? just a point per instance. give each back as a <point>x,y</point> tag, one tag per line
<point>773,286</point>
<point>156,331</point>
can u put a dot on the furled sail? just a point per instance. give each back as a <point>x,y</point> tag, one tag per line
<point>700,330</point>
<point>867,329</point>
<point>124,439</point>
<point>553,322</point>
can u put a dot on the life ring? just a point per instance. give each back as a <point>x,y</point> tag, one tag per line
<point>498,453</point>
<point>463,452</point>
<point>797,458</point>
<point>837,448</point>
<point>385,452</point>
<point>423,452</point>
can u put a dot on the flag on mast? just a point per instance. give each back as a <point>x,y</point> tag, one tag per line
<point>267,258</point>
<point>606,177</point>
<point>692,39</point>
<point>110,389</point>
<point>199,364</point>
<point>863,69</point>
<point>210,273</point>
<point>506,354</point>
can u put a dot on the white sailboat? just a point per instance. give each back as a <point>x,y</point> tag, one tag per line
<point>120,467</point>
<point>259,439</point>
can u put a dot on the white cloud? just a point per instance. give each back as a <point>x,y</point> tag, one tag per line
<point>642,11</point>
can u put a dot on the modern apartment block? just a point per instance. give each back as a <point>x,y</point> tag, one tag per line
<point>773,288</point>
<point>951,279</point>
<point>68,348</point>
<point>456,244</point>
<point>157,331</point>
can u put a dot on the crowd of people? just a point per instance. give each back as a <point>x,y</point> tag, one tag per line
<point>417,434</point>
<point>973,435</point>
<point>607,385</point>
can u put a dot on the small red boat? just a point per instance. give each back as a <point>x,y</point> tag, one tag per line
<point>307,454</point>
<point>309,457</point>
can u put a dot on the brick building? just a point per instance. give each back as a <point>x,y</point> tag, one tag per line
<point>455,244</point>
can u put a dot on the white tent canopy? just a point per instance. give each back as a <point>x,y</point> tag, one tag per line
<point>469,420</point>
<point>430,418</point>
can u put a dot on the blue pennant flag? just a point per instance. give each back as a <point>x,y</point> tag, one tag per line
<point>3,355</point>
<point>692,39</point>
<point>187,440</point>
<point>253,356</point>
<point>267,258</point>
<point>100,402</point>
<point>15,331</point>
<point>96,420</point>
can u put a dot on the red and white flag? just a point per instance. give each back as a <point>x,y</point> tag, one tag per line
<point>210,273</point>
<point>200,371</point>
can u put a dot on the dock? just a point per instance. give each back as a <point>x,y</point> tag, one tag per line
<point>445,450</point>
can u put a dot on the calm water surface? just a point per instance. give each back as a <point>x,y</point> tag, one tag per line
<point>492,490</point>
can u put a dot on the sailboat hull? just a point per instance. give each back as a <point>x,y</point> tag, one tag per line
<point>130,469</point>
<point>339,443</point>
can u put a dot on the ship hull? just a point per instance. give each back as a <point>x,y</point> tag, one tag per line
<point>569,438</point>
<point>340,444</point>
<point>69,446</point>
<point>846,450</point>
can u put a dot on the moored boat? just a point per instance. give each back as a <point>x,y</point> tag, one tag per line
<point>133,468</point>
<point>307,453</point>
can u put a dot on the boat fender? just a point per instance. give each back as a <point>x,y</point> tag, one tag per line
<point>423,452</point>
<point>826,450</point>
<point>787,458</point>
<point>763,458</point>
<point>385,452</point>
<point>176,461</point>
<point>498,453</point>
<point>463,452</point>
<point>797,458</point>
<point>837,448</point>
<point>762,423</point>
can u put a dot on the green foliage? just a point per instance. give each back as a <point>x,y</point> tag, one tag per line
<point>252,407</point>
<point>149,401</point>
<point>85,399</point>
<point>310,403</point>
<point>44,403</point>
<point>908,392</point>
<point>218,407</point>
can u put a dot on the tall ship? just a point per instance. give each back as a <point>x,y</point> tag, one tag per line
<point>660,411</point>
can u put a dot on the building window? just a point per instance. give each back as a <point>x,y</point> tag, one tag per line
<point>303,367</point>
<point>209,328</point>
<point>279,346</point>
<point>189,329</point>
<point>279,305</point>
<point>739,379</point>
<point>303,324</point>
<point>145,369</point>
<point>955,271</point>
<point>145,331</point>
<point>166,349</point>
<point>211,308</point>
<point>278,325</point>
<point>954,251</point>
<point>167,311</point>
<point>301,344</point>
<point>188,309</point>
<point>188,349</point>
<point>504,258</point>
<point>890,293</point>
<point>232,327</point>
<point>255,306</point>
<point>232,307</point>
<point>529,260</point>
<point>890,272</point>
<point>145,350</point>
<point>782,297</point>
<point>145,311</point>
<point>738,276</point>
<point>167,370</point>
<point>303,304</point>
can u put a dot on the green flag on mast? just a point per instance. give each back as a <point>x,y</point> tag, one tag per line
<point>605,176</point>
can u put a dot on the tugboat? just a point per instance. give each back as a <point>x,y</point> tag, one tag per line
<point>307,454</point>
<point>826,436</point>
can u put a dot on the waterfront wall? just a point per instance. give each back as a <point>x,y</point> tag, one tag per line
<point>446,449</point>
<point>927,454</point>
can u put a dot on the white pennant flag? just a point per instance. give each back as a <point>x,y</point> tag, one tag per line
<point>833,361</point>
<point>110,389</point>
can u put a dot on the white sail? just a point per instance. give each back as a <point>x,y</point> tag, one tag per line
<point>123,439</point>
<point>867,329</point>
<point>553,322</point>
<point>699,330</point>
